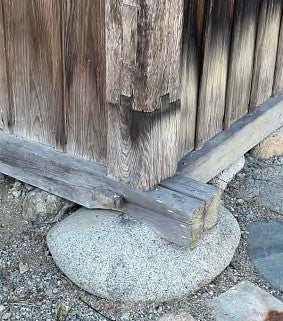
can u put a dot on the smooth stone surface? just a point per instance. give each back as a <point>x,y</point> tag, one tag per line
<point>265,248</point>
<point>177,317</point>
<point>225,177</point>
<point>42,206</point>
<point>119,258</point>
<point>265,185</point>
<point>246,302</point>
<point>270,147</point>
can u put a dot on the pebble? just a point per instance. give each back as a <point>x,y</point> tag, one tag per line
<point>23,268</point>
<point>2,308</point>
<point>6,316</point>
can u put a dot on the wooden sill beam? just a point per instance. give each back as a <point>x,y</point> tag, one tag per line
<point>178,216</point>
<point>228,146</point>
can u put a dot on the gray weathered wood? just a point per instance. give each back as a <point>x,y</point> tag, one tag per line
<point>241,60</point>
<point>228,146</point>
<point>33,51</point>
<point>83,45</point>
<point>6,115</point>
<point>143,148</point>
<point>266,51</point>
<point>190,72</point>
<point>204,192</point>
<point>143,49</point>
<point>86,183</point>
<point>216,40</point>
<point>278,77</point>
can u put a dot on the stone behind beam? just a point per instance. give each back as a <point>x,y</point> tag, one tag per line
<point>119,258</point>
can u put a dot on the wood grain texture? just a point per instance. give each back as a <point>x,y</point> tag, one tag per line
<point>178,217</point>
<point>216,40</point>
<point>84,78</point>
<point>32,29</point>
<point>143,51</point>
<point>278,77</point>
<point>241,60</point>
<point>266,51</point>
<point>143,148</point>
<point>229,145</point>
<point>6,116</point>
<point>190,72</point>
<point>204,192</point>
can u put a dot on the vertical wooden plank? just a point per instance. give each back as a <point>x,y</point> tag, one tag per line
<point>84,78</point>
<point>278,78</point>
<point>216,41</point>
<point>35,70</point>
<point>190,70</point>
<point>241,59</point>
<point>143,147</point>
<point>266,51</point>
<point>143,51</point>
<point>6,115</point>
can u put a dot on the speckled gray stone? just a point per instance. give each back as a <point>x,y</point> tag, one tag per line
<point>119,258</point>
<point>265,248</point>
<point>246,302</point>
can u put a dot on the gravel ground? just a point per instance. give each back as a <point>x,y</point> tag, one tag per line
<point>32,288</point>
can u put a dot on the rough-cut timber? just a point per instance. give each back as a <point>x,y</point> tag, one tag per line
<point>278,77</point>
<point>204,192</point>
<point>143,45</point>
<point>33,51</point>
<point>240,71</point>
<point>84,78</point>
<point>216,41</point>
<point>178,216</point>
<point>266,51</point>
<point>5,116</point>
<point>228,146</point>
<point>190,71</point>
<point>143,147</point>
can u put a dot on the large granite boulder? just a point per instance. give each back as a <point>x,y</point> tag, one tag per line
<point>118,258</point>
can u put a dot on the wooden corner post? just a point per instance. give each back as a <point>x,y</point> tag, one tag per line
<point>143,49</point>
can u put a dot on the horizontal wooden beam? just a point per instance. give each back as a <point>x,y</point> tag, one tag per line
<point>176,215</point>
<point>228,146</point>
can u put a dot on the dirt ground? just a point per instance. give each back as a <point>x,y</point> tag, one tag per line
<point>32,287</point>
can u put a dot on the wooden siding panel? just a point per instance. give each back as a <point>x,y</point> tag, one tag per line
<point>266,51</point>
<point>35,71</point>
<point>241,60</point>
<point>278,79</point>
<point>190,70</point>
<point>84,78</point>
<point>216,40</point>
<point>6,117</point>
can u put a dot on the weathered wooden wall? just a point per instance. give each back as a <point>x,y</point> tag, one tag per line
<point>135,84</point>
<point>52,74</point>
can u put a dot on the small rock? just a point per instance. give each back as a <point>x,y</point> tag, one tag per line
<point>245,301</point>
<point>29,187</point>
<point>6,316</point>
<point>222,179</point>
<point>41,206</point>
<point>23,268</point>
<point>2,308</point>
<point>270,147</point>
<point>177,317</point>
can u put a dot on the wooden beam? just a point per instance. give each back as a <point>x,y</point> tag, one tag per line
<point>178,216</point>
<point>228,146</point>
